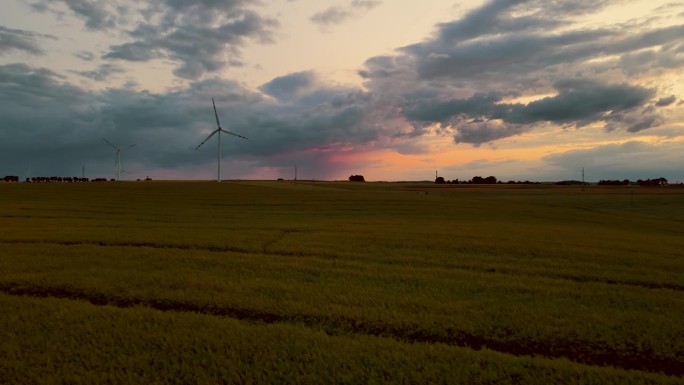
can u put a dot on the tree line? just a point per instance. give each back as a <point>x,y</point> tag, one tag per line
<point>480,180</point>
<point>53,179</point>
<point>626,182</point>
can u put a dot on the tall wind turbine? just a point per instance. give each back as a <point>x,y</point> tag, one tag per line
<point>117,162</point>
<point>218,130</point>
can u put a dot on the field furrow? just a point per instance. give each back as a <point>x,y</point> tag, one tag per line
<point>576,351</point>
<point>268,249</point>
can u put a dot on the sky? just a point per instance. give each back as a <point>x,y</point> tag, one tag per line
<point>392,90</point>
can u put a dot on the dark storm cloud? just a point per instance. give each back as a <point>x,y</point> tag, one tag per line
<point>664,102</point>
<point>137,51</point>
<point>634,121</point>
<point>500,57</point>
<point>36,87</point>
<point>578,102</point>
<point>21,40</point>
<point>479,132</point>
<point>463,82</point>
<point>644,123</point>
<point>60,126</point>
<point>489,19</point>
<point>461,76</point>
<point>41,114</point>
<point>201,36</point>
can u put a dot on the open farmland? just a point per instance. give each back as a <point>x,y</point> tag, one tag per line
<point>337,282</point>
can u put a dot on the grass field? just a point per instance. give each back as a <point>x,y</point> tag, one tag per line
<point>337,282</point>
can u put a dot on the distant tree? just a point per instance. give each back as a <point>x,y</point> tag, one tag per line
<point>439,180</point>
<point>481,180</point>
<point>653,182</point>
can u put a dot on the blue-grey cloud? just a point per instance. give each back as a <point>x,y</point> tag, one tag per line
<point>102,73</point>
<point>85,55</point>
<point>337,14</point>
<point>289,86</point>
<point>21,40</point>
<point>97,14</point>
<point>367,4</point>
<point>331,16</point>
<point>664,102</point>
<point>59,126</point>
<point>200,36</point>
<point>460,77</point>
<point>485,117</point>
<point>461,82</point>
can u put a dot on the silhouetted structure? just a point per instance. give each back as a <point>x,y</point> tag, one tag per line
<point>357,178</point>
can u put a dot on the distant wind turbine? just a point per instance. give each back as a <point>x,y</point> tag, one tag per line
<point>218,130</point>
<point>117,162</point>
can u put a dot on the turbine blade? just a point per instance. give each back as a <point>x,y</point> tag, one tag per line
<point>210,135</point>
<point>218,124</point>
<point>110,143</point>
<point>232,133</point>
<point>132,145</point>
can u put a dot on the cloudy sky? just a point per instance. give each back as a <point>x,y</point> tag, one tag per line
<point>392,90</point>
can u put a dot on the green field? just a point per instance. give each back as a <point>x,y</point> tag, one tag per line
<point>338,282</point>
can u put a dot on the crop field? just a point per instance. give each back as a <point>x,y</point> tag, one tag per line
<point>339,282</point>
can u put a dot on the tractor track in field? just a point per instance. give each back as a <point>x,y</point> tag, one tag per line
<point>642,359</point>
<point>267,250</point>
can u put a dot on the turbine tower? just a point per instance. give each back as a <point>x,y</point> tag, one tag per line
<point>218,130</point>
<point>117,162</point>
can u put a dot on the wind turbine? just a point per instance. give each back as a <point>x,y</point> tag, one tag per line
<point>117,162</point>
<point>218,130</point>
